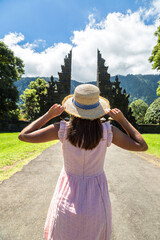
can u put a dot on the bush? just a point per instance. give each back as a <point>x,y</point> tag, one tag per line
<point>139,108</point>
<point>153,113</point>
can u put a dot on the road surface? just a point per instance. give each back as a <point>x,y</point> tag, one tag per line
<point>134,186</point>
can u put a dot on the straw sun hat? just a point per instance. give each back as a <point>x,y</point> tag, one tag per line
<point>86,102</point>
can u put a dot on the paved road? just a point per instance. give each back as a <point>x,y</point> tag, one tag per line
<point>134,186</point>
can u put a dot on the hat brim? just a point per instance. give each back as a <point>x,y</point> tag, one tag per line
<point>94,113</point>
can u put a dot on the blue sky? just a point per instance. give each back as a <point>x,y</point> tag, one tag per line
<point>55,20</point>
<point>42,32</point>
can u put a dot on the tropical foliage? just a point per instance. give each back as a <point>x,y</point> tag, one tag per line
<point>11,70</point>
<point>34,99</point>
<point>139,108</point>
<point>158,89</point>
<point>153,113</point>
<point>155,57</point>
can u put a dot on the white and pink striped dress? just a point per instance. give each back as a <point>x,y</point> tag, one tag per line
<point>80,208</point>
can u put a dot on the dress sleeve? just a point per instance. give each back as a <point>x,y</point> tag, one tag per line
<point>62,130</point>
<point>109,134</point>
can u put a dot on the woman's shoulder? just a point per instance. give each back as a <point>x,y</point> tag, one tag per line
<point>107,132</point>
<point>107,125</point>
<point>63,123</point>
<point>62,129</point>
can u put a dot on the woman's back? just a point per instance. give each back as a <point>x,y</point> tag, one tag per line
<point>81,162</point>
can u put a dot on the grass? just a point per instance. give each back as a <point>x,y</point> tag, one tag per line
<point>14,153</point>
<point>153,141</point>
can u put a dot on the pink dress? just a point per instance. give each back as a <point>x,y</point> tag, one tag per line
<point>80,208</point>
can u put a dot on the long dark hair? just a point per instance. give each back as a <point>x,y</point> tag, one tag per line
<point>85,133</point>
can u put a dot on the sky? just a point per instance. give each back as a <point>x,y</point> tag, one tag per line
<point>42,32</point>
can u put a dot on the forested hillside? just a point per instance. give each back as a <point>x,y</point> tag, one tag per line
<point>23,83</point>
<point>138,86</point>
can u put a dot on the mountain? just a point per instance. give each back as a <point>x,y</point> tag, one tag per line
<point>23,83</point>
<point>138,86</point>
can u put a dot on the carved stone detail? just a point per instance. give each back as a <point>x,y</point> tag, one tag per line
<point>112,90</point>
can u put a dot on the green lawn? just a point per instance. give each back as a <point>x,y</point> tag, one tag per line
<point>153,141</point>
<point>14,153</point>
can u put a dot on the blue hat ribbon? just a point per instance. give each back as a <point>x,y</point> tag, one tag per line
<point>83,106</point>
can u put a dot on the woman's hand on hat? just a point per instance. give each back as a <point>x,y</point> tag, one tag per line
<point>55,111</point>
<point>115,114</point>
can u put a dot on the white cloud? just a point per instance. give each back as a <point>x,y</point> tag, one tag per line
<point>125,41</point>
<point>12,39</point>
<point>153,11</point>
<point>45,63</point>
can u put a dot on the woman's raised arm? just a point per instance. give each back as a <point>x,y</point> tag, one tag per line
<point>133,141</point>
<point>33,134</point>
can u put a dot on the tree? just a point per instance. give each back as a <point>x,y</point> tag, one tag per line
<point>30,107</point>
<point>158,89</point>
<point>11,70</point>
<point>153,113</point>
<point>155,57</point>
<point>34,99</point>
<point>139,108</point>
